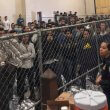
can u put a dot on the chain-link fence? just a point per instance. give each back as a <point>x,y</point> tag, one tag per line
<point>70,51</point>
<point>19,73</point>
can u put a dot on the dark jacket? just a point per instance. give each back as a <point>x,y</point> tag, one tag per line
<point>105,72</point>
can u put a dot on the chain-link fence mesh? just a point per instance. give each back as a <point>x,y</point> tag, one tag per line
<point>70,51</point>
<point>19,73</point>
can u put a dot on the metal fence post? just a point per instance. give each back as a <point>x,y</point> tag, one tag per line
<point>40,63</point>
<point>97,47</point>
<point>40,52</point>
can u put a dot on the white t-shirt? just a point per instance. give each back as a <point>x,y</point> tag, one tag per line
<point>6,25</point>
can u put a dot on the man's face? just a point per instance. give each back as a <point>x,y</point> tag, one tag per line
<point>62,22</point>
<point>32,26</point>
<point>25,39</point>
<point>49,38</point>
<point>27,29</point>
<point>12,26</point>
<point>81,30</point>
<point>72,20</point>
<point>86,34</point>
<point>68,34</point>
<point>102,26</point>
<point>6,18</point>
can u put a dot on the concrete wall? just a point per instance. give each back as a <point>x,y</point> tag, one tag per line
<point>12,8</point>
<point>29,8</point>
<point>90,8</point>
<point>48,6</point>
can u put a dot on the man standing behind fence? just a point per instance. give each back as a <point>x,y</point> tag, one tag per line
<point>68,55</point>
<point>6,24</point>
<point>8,69</point>
<point>26,70</point>
<point>86,56</point>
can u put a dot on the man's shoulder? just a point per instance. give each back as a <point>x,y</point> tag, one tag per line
<point>31,44</point>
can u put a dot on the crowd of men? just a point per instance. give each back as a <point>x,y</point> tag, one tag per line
<point>68,51</point>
